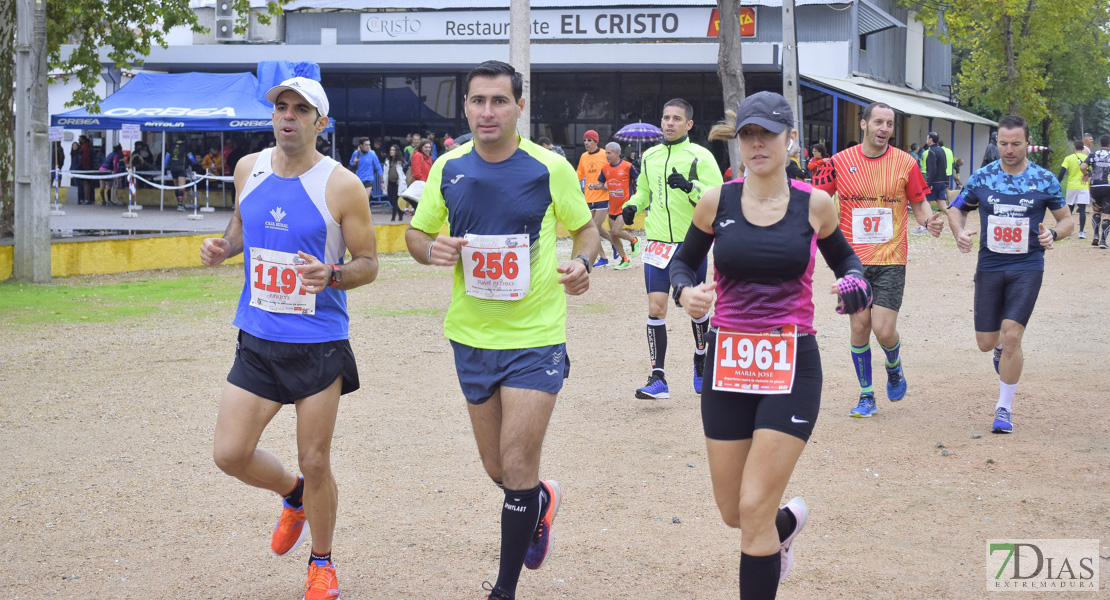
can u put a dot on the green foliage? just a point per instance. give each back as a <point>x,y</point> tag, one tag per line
<point>1060,53</point>
<point>127,30</point>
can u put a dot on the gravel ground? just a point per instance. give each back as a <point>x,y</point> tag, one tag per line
<point>110,490</point>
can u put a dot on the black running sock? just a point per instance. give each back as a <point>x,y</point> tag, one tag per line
<point>520,514</point>
<point>295,497</point>
<point>700,327</point>
<point>657,342</point>
<point>785,521</point>
<point>759,576</point>
<point>313,557</point>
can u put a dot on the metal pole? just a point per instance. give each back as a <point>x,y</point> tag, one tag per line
<point>790,89</point>
<point>31,259</point>
<point>162,180</point>
<point>520,16</point>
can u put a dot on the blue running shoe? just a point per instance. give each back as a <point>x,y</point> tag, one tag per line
<point>699,370</point>
<point>1002,423</point>
<point>601,262</point>
<point>540,546</point>
<point>656,389</point>
<point>997,358</point>
<point>895,383</point>
<point>865,408</point>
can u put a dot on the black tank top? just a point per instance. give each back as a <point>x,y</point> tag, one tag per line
<point>767,255</point>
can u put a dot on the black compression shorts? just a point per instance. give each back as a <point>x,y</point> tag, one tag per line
<point>731,416</point>
<point>1005,295</point>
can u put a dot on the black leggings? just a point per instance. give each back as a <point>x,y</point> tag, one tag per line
<point>396,214</point>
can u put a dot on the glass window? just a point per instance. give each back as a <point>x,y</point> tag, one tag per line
<point>440,95</point>
<point>553,96</point>
<point>364,96</point>
<point>401,100</point>
<point>593,97</point>
<point>639,99</point>
<point>335,86</point>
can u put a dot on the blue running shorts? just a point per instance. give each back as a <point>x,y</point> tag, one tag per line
<point>481,371</point>
<point>1005,295</point>
<point>659,280</point>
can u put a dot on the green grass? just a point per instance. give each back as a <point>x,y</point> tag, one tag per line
<point>83,300</point>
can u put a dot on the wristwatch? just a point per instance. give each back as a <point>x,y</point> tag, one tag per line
<point>678,293</point>
<point>336,276</point>
<point>1055,236</point>
<point>585,261</point>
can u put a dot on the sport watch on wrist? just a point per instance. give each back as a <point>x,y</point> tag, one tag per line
<point>336,276</point>
<point>586,261</point>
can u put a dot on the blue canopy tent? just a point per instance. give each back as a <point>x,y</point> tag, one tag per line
<point>181,102</point>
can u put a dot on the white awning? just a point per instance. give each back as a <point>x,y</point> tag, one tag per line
<point>873,19</point>
<point>459,4</point>
<point>909,103</point>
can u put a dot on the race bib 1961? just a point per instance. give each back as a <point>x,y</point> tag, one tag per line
<point>1008,235</point>
<point>872,225</point>
<point>275,284</point>
<point>755,363</point>
<point>497,267</point>
<point>658,254</point>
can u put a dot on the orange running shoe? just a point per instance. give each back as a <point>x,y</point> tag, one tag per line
<point>540,547</point>
<point>321,583</point>
<point>290,530</point>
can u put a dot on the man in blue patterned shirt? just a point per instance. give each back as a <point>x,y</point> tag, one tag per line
<point>1012,196</point>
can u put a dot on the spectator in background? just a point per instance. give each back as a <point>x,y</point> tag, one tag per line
<point>141,160</point>
<point>74,164</point>
<point>421,165</point>
<point>546,143</point>
<point>936,173</point>
<point>395,167</point>
<point>213,162</point>
<point>634,159</point>
<point>413,147</point>
<point>819,154</point>
<point>991,153</point>
<point>448,144</point>
<point>113,163</point>
<point>86,164</point>
<point>369,170</point>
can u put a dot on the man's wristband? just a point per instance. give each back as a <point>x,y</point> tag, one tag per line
<point>586,261</point>
<point>430,246</point>
<point>1055,236</point>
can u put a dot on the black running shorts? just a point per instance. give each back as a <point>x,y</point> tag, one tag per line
<point>1005,295</point>
<point>888,283</point>
<point>732,416</point>
<point>285,372</point>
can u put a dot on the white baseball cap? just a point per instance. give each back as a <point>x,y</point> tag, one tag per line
<point>309,89</point>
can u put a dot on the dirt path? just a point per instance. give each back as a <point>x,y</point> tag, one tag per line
<point>110,490</point>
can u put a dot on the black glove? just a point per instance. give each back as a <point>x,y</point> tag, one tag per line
<point>628,215</point>
<point>854,292</point>
<point>678,182</point>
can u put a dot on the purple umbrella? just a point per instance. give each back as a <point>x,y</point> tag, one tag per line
<point>639,133</point>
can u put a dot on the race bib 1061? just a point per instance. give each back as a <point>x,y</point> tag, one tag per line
<point>275,284</point>
<point>1008,235</point>
<point>497,267</point>
<point>755,363</point>
<point>658,254</point>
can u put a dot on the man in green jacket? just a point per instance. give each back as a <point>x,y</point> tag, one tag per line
<point>673,177</point>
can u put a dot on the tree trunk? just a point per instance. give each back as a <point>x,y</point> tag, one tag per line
<point>730,69</point>
<point>1011,67</point>
<point>7,118</point>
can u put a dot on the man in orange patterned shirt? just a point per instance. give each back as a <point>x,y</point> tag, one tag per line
<point>875,183</point>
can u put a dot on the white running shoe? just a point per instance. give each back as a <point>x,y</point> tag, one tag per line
<point>1082,235</point>
<point>786,551</point>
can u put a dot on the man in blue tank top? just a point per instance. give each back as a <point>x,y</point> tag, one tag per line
<point>296,216</point>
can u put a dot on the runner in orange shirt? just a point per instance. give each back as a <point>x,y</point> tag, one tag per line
<point>597,196</point>
<point>874,183</point>
<point>619,176</point>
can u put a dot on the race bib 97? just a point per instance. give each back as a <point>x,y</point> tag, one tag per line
<point>755,363</point>
<point>275,284</point>
<point>872,225</point>
<point>497,267</point>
